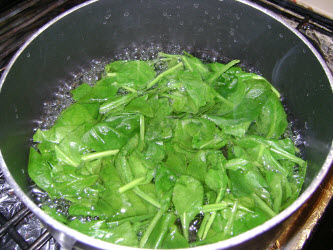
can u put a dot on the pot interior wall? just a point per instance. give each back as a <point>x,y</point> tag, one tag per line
<point>231,28</point>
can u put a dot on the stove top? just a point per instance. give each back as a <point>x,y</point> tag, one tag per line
<point>19,19</point>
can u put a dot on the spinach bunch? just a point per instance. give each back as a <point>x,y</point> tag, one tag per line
<point>169,153</point>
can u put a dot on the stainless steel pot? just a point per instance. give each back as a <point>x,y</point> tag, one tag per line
<point>236,29</point>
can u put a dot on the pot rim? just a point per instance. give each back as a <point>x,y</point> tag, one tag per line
<point>234,241</point>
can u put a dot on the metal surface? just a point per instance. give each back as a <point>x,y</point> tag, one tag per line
<point>8,226</point>
<point>45,237</point>
<point>19,216</point>
<point>259,38</point>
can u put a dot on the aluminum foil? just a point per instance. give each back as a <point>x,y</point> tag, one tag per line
<point>294,237</point>
<point>30,228</point>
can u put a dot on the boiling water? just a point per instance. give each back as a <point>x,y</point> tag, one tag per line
<point>93,72</point>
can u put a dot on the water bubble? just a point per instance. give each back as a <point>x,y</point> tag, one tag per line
<point>96,68</point>
<point>200,29</point>
<point>59,209</point>
<point>165,14</point>
<point>304,51</point>
<point>231,32</point>
<point>235,40</point>
<point>71,218</point>
<point>28,54</point>
<point>104,22</point>
<point>68,58</point>
<point>196,5</point>
<point>218,17</point>
<point>206,12</point>
<point>126,13</point>
<point>269,26</point>
<point>181,22</point>
<point>281,35</point>
<point>107,16</point>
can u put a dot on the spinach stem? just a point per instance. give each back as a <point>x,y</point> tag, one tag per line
<point>98,155</point>
<point>213,215</point>
<point>236,162</point>
<point>274,90</point>
<point>69,160</point>
<point>166,222</point>
<point>220,206</point>
<point>281,169</point>
<point>287,155</point>
<point>151,227</point>
<point>130,219</point>
<point>272,126</point>
<point>278,200</point>
<point>213,207</point>
<point>142,132</point>
<point>261,150</point>
<point>228,227</point>
<point>224,69</point>
<point>230,104</point>
<point>167,72</point>
<point>203,225</point>
<point>184,59</point>
<point>131,185</point>
<point>184,226</point>
<point>146,197</point>
<point>209,142</point>
<point>116,102</point>
<point>263,205</point>
<point>129,89</point>
<point>209,224</point>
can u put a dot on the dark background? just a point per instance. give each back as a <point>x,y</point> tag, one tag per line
<point>322,237</point>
